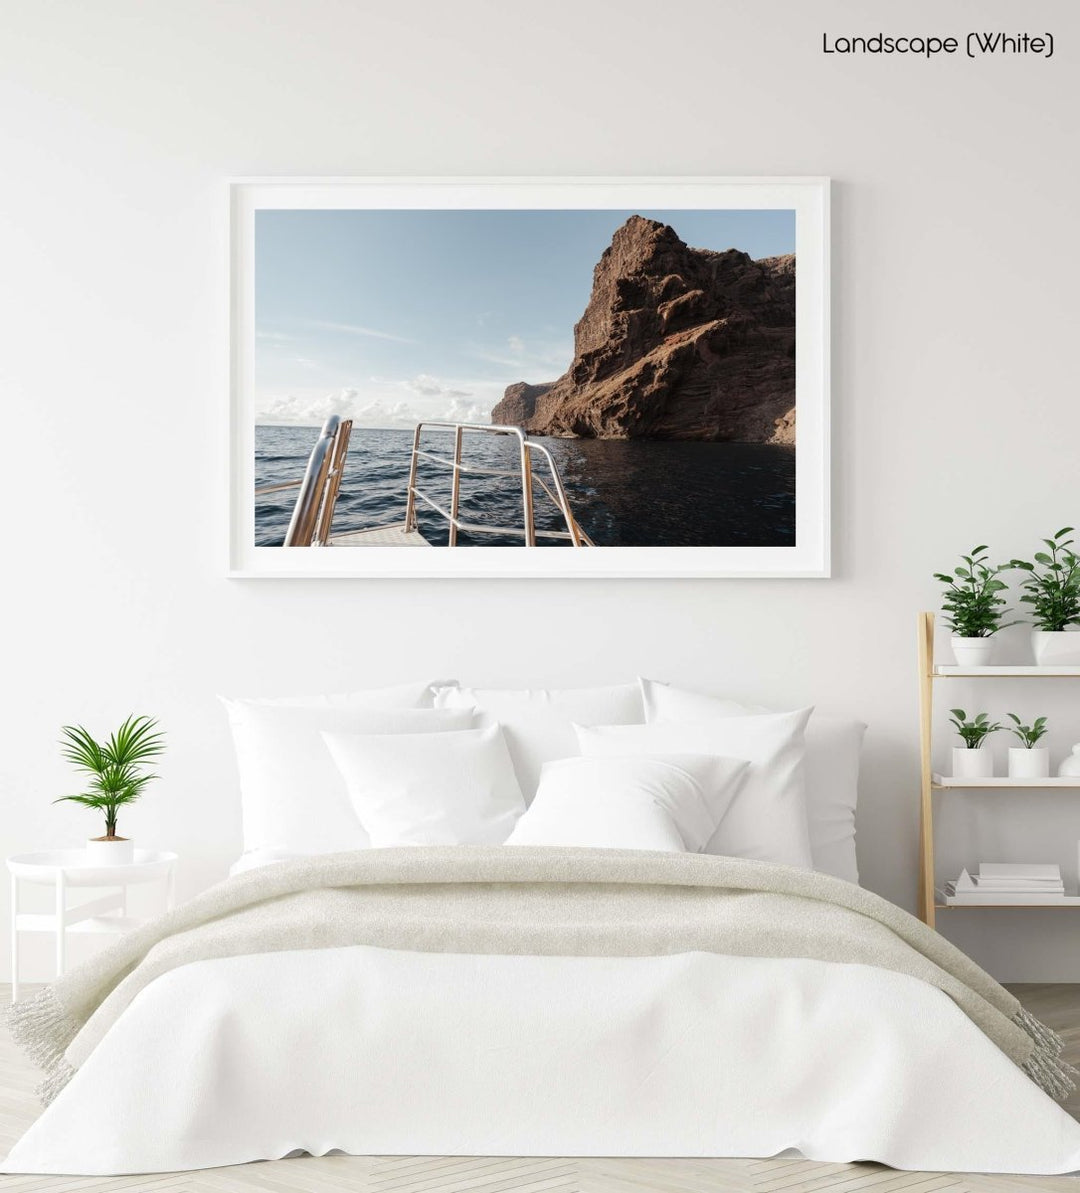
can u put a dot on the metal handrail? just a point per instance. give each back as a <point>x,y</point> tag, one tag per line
<point>526,449</point>
<point>313,513</point>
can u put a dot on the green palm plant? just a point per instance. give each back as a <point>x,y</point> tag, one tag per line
<point>115,766</point>
<point>1052,584</point>
<point>972,603</point>
<point>974,732</point>
<point>1029,735</point>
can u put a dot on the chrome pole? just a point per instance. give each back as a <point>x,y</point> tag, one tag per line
<point>455,488</point>
<point>302,524</point>
<point>410,503</point>
<point>333,482</point>
<point>561,501</point>
<point>527,492</point>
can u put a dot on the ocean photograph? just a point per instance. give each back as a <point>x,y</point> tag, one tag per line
<point>651,353</point>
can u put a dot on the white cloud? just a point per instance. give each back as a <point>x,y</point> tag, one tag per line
<point>467,412</point>
<point>429,387</point>
<point>380,414</point>
<point>355,329</point>
<point>526,362</point>
<point>305,409</point>
<point>384,409</point>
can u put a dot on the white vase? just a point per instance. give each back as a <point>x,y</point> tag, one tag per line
<point>1070,764</point>
<point>101,851</point>
<point>972,652</point>
<point>1028,764</point>
<point>972,764</point>
<point>1056,648</point>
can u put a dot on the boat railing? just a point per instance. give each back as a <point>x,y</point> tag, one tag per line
<point>527,449</point>
<point>313,513</point>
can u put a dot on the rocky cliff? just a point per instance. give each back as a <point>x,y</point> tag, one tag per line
<point>675,343</point>
<point>518,404</point>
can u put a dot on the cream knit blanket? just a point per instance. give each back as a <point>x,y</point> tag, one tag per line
<point>544,901</point>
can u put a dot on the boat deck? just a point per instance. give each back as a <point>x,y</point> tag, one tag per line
<point>380,536</point>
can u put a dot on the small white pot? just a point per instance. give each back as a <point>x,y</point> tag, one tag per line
<point>117,852</point>
<point>972,764</point>
<point>1028,764</point>
<point>1056,648</point>
<point>972,652</point>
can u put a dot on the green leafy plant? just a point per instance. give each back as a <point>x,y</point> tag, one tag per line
<point>116,766</point>
<point>973,732</point>
<point>1052,586</point>
<point>973,603</point>
<point>1028,734</point>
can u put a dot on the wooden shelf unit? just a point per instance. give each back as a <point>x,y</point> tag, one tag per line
<point>929,904</point>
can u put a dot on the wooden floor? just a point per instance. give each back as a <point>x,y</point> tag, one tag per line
<point>1058,1006</point>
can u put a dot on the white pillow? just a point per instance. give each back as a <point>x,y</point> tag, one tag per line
<point>430,789</point>
<point>292,796</point>
<point>672,803</point>
<point>767,818</point>
<point>833,746</point>
<point>402,695</point>
<point>539,722</point>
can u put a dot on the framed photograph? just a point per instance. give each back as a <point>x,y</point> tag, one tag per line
<point>529,377</point>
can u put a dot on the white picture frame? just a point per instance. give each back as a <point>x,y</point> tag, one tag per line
<point>807,197</point>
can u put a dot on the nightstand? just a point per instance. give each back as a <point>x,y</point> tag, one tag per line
<point>65,868</point>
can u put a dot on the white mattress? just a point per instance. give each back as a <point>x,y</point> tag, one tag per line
<point>374,1051</point>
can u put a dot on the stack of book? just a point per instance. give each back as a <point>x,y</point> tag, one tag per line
<point>1007,882</point>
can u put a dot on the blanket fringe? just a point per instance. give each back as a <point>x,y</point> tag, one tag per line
<point>43,1030</point>
<point>1044,1066</point>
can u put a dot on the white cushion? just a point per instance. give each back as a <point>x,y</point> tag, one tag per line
<point>767,818</point>
<point>833,746</point>
<point>402,695</point>
<point>672,803</point>
<point>539,722</point>
<point>430,789</point>
<point>292,796</point>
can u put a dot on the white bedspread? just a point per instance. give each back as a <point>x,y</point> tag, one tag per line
<point>383,1052</point>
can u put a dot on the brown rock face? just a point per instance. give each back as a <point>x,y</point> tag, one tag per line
<point>518,404</point>
<point>675,343</point>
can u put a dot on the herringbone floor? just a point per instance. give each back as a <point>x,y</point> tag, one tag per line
<point>1057,1005</point>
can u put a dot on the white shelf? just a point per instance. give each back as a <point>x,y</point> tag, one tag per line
<point>980,901</point>
<point>1023,671</point>
<point>1001,781</point>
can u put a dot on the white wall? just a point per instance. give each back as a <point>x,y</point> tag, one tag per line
<point>955,395</point>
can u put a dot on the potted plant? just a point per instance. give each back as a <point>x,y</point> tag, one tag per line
<point>1052,589</point>
<point>1029,760</point>
<point>116,768</point>
<point>971,761</point>
<point>974,607</point>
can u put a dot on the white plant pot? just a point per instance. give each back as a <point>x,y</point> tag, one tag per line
<point>1056,648</point>
<point>118,852</point>
<point>1028,764</point>
<point>972,764</point>
<point>972,652</point>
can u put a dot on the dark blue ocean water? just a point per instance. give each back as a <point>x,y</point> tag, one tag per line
<point>635,493</point>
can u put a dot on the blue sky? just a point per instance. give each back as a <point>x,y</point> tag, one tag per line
<point>390,316</point>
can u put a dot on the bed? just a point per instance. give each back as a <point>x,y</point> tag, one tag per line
<point>657,950</point>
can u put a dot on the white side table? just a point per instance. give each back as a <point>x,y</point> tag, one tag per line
<point>64,868</point>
